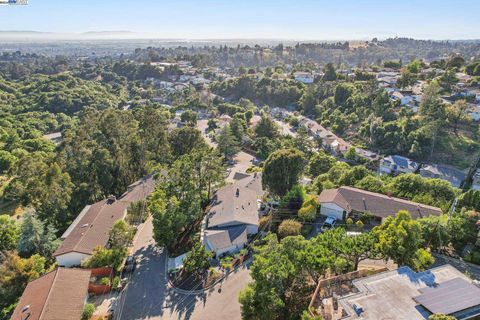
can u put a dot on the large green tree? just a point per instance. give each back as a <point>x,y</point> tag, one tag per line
<point>400,239</point>
<point>15,274</point>
<point>184,140</point>
<point>197,260</point>
<point>266,127</point>
<point>282,170</point>
<point>9,233</point>
<point>228,145</point>
<point>320,163</point>
<point>36,238</point>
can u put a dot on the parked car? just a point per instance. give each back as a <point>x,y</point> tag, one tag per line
<point>130,265</point>
<point>329,223</point>
<point>256,161</point>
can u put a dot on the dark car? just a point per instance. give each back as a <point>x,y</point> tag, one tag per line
<point>130,265</point>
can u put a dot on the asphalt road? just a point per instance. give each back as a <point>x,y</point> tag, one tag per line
<point>147,295</point>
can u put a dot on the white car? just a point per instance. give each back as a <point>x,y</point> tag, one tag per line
<point>329,223</point>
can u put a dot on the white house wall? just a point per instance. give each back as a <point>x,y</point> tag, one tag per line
<point>329,209</point>
<point>71,259</point>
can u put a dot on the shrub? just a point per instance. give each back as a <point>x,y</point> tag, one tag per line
<point>226,262</point>
<point>289,227</point>
<point>473,257</point>
<point>308,211</point>
<point>105,281</point>
<point>365,217</point>
<point>359,224</point>
<point>116,282</point>
<point>262,223</point>
<point>294,198</point>
<point>106,258</point>
<point>349,223</point>
<point>88,311</point>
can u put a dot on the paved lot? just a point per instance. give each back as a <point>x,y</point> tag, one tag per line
<point>242,160</point>
<point>285,128</point>
<point>148,296</point>
<point>223,303</point>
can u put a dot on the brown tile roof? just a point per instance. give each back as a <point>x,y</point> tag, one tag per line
<point>58,295</point>
<point>139,190</point>
<point>92,230</point>
<point>380,205</point>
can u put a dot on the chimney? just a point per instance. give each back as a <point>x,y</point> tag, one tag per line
<point>237,193</point>
<point>111,198</point>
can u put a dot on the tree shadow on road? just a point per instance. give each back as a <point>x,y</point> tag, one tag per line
<point>144,296</point>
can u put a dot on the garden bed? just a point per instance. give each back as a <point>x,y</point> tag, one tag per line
<point>186,281</point>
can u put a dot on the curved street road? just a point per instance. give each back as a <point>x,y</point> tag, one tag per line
<point>147,295</point>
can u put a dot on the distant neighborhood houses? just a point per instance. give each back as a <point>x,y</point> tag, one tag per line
<point>397,164</point>
<point>304,77</point>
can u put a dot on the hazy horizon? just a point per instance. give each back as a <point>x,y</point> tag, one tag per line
<point>131,35</point>
<point>277,20</point>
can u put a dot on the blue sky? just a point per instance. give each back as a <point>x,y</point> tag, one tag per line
<point>279,19</point>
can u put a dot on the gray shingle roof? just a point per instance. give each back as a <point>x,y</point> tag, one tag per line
<point>236,203</point>
<point>224,238</point>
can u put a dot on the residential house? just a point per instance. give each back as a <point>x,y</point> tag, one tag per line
<point>397,164</point>
<point>474,112</point>
<point>348,201</point>
<point>58,295</point>
<point>403,98</point>
<point>304,77</point>
<point>387,79</point>
<point>401,294</point>
<point>338,146</point>
<point>330,141</point>
<point>92,226</point>
<point>233,216</point>
<point>476,180</point>
<point>367,154</point>
<point>55,137</point>
<point>444,172</point>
